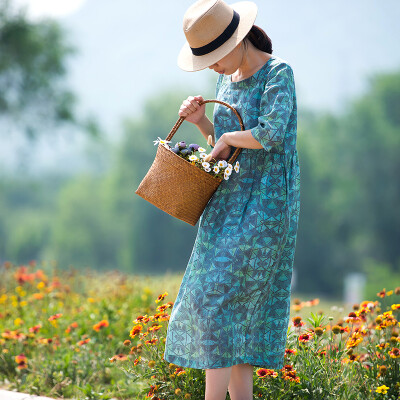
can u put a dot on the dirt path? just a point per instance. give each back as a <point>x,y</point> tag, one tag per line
<point>7,395</point>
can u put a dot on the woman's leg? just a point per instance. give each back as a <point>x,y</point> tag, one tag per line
<point>217,380</point>
<point>241,382</point>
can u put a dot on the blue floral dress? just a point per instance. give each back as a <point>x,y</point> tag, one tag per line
<point>233,304</point>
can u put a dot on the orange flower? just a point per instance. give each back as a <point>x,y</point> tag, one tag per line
<point>135,331</point>
<point>161,316</point>
<point>154,328</point>
<point>102,324</point>
<point>164,307</point>
<point>136,362</point>
<point>382,293</point>
<point>141,319</point>
<point>82,342</point>
<point>21,360</point>
<point>395,353</point>
<point>45,340</point>
<point>161,297</point>
<point>288,352</point>
<point>263,372</point>
<point>151,341</point>
<point>289,373</point>
<point>179,370</point>
<point>55,316</point>
<point>70,326</point>
<point>35,328</point>
<point>118,357</point>
<point>305,337</point>
<point>153,388</point>
<point>297,322</point>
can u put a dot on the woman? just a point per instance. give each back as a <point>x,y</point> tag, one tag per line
<point>232,309</point>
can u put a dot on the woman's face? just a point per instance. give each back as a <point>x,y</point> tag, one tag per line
<point>230,63</point>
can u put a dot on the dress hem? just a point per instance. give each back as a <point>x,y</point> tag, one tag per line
<point>183,362</point>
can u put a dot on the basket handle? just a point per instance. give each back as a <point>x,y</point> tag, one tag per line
<point>181,119</point>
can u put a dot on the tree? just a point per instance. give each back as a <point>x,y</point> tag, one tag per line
<point>32,69</point>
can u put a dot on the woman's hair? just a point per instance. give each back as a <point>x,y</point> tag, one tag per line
<point>259,39</point>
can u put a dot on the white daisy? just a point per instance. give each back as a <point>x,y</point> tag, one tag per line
<point>205,164</point>
<point>161,141</point>
<point>221,164</point>
<point>202,155</point>
<point>226,177</point>
<point>216,169</point>
<point>193,158</point>
<point>208,169</point>
<point>201,149</point>
<point>228,171</point>
<point>230,165</point>
<point>236,167</point>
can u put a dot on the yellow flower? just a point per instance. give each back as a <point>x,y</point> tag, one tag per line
<point>178,391</point>
<point>18,321</point>
<point>161,297</point>
<point>382,389</point>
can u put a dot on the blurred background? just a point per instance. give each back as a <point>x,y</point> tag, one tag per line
<point>86,86</point>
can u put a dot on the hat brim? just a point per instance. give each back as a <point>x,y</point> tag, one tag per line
<point>189,62</point>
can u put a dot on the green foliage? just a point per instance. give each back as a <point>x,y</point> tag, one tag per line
<point>349,187</point>
<point>379,275</point>
<point>322,361</point>
<point>33,56</point>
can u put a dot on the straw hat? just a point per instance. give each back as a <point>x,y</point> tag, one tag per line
<point>213,29</point>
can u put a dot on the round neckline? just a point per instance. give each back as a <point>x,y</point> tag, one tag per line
<point>251,76</point>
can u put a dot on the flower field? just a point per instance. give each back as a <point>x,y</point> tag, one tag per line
<point>100,335</point>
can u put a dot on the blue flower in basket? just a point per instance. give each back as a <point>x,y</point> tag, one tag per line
<point>182,145</point>
<point>185,152</point>
<point>194,146</point>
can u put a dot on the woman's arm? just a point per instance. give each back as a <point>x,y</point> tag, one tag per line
<point>206,127</point>
<point>242,139</point>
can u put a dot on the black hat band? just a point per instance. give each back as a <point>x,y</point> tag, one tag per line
<point>220,40</point>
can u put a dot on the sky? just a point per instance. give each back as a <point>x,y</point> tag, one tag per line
<point>128,50</point>
<point>50,8</point>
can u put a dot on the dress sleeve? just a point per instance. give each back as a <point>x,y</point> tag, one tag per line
<point>275,108</point>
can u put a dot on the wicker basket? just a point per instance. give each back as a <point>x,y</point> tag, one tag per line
<point>178,187</point>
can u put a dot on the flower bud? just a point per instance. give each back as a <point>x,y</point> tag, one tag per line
<point>194,146</point>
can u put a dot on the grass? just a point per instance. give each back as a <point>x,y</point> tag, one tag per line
<point>69,334</point>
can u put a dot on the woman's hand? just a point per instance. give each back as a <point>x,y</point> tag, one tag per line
<point>191,110</point>
<point>220,151</point>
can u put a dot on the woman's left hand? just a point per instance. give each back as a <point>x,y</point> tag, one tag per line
<point>221,150</point>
